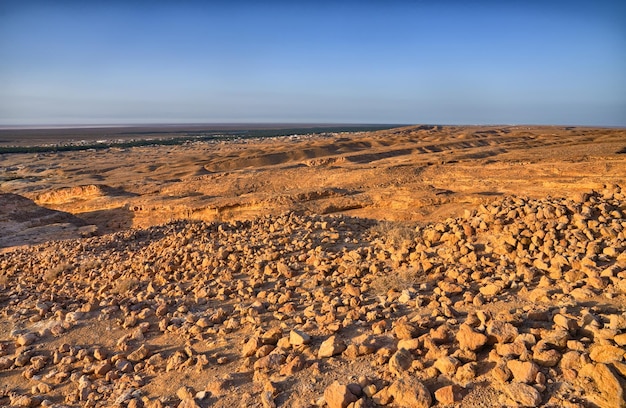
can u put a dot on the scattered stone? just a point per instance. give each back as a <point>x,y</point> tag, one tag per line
<point>501,332</point>
<point>611,387</point>
<point>606,353</point>
<point>447,365</point>
<point>408,392</point>
<point>26,339</point>
<point>22,401</point>
<point>251,346</point>
<point>400,361</point>
<point>332,346</point>
<point>297,338</point>
<point>269,362</point>
<point>448,395</point>
<point>405,330</point>
<point>523,371</point>
<point>338,396</point>
<point>544,355</point>
<point>139,354</point>
<point>523,395</point>
<point>298,363</point>
<point>469,339</point>
<point>215,284</point>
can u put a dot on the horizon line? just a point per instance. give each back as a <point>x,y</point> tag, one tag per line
<point>182,124</point>
<point>271,125</point>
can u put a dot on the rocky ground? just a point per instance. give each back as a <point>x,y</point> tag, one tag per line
<point>514,302</point>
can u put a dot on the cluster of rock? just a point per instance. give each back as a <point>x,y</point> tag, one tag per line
<point>520,302</point>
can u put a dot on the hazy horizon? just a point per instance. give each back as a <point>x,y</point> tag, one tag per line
<point>72,63</point>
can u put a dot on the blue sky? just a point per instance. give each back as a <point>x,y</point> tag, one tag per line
<point>446,62</point>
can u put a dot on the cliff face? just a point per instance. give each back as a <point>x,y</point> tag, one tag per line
<point>23,222</point>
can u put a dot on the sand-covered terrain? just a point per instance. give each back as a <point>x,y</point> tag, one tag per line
<point>422,173</point>
<point>413,267</point>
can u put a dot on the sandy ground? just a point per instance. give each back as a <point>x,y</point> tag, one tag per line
<point>414,267</point>
<point>422,173</point>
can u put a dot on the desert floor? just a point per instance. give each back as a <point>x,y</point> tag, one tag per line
<point>412,267</point>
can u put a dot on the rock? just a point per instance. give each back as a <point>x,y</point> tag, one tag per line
<point>22,401</point>
<point>269,362</point>
<point>490,290</point>
<point>448,395</point>
<point>620,339</point>
<point>557,338</point>
<point>338,396</point>
<point>218,387</point>
<point>501,373</point>
<point>331,347</point>
<point>469,339</point>
<point>267,400</point>
<point>26,339</point>
<point>565,322</point>
<point>141,353</point>
<point>539,295</point>
<point>5,362</point>
<point>523,371</point>
<point>297,338</point>
<point>612,393</point>
<point>185,393</point>
<point>400,361</point>
<point>523,395</point>
<point>408,392</point>
<point>296,364</point>
<point>442,334</point>
<point>409,344</point>
<point>447,365</point>
<point>250,347</point>
<point>544,355</point>
<point>264,350</point>
<point>570,360</point>
<point>382,397</point>
<point>405,330</point>
<point>605,353</point>
<point>515,349</point>
<point>188,403</point>
<point>501,332</point>
<point>102,368</point>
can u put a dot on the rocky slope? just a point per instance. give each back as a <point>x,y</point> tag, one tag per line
<point>517,302</point>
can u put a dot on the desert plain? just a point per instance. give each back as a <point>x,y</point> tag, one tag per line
<point>466,266</point>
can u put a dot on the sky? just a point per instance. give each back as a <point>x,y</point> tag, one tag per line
<point>404,62</point>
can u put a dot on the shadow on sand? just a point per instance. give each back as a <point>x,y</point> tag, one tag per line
<point>110,220</point>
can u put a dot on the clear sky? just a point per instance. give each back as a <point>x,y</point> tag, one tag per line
<point>444,62</point>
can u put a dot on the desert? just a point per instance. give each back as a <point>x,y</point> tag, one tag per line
<point>419,266</point>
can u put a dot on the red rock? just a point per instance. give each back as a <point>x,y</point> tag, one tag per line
<point>338,396</point>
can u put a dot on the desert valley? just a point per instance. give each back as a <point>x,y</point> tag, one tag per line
<point>466,266</point>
